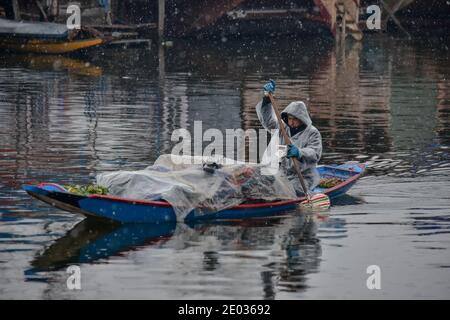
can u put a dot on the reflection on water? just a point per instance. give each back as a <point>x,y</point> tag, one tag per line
<point>91,240</point>
<point>284,250</point>
<point>383,101</point>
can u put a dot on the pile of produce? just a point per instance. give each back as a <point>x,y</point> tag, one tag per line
<point>87,190</point>
<point>331,182</point>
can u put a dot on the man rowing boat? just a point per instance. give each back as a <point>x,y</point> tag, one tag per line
<point>306,141</point>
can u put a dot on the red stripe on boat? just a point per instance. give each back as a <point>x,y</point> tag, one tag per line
<point>166,204</point>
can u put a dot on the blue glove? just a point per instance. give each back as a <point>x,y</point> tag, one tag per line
<point>269,87</point>
<point>293,151</point>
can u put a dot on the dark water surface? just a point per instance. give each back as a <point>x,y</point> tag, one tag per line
<point>384,101</point>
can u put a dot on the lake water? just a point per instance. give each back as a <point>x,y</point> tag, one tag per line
<point>385,102</point>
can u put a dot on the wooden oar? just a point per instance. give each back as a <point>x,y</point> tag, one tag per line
<point>318,200</point>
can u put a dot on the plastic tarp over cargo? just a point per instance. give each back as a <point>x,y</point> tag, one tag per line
<point>206,185</point>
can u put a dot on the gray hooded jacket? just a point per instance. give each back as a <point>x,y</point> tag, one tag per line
<point>308,140</point>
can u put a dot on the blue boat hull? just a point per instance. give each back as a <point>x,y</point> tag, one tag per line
<point>135,211</point>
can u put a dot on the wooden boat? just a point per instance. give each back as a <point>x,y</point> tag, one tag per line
<point>148,211</point>
<point>42,46</point>
<point>45,37</point>
<point>227,18</point>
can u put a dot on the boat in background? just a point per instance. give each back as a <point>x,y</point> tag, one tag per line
<point>46,37</point>
<point>149,211</point>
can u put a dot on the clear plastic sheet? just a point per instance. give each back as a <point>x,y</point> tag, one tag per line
<point>204,184</point>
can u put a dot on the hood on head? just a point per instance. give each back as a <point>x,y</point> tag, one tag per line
<point>298,110</point>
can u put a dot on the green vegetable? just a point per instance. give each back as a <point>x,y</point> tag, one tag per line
<point>87,190</point>
<point>329,182</point>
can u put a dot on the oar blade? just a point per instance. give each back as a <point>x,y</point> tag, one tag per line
<point>318,200</point>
